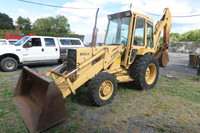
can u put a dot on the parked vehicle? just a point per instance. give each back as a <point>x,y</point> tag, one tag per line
<point>36,49</point>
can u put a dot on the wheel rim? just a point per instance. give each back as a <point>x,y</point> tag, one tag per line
<point>106,90</point>
<point>9,64</point>
<point>150,74</point>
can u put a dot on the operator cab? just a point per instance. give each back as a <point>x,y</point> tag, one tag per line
<point>132,30</point>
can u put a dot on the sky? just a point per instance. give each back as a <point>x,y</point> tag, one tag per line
<point>82,20</point>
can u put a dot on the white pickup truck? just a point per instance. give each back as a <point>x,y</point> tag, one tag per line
<point>36,49</point>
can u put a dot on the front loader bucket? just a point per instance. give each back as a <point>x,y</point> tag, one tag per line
<point>38,100</point>
<point>163,59</point>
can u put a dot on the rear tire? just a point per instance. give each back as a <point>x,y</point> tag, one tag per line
<point>145,71</point>
<point>9,64</point>
<point>102,88</point>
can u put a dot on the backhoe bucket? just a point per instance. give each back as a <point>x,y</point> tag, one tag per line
<point>38,100</point>
<point>163,59</point>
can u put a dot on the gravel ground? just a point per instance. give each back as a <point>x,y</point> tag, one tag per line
<point>178,66</point>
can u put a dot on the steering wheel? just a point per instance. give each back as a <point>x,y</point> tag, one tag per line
<point>123,40</point>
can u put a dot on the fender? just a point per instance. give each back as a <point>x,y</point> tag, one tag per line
<point>11,51</point>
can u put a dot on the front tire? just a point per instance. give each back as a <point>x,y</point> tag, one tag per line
<point>102,88</point>
<point>145,71</point>
<point>9,64</point>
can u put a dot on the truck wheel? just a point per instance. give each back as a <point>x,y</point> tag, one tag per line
<point>145,71</point>
<point>102,88</point>
<point>9,64</point>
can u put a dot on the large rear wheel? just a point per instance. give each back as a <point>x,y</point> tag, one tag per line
<point>102,88</point>
<point>145,71</point>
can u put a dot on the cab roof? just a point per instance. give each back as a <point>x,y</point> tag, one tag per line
<point>128,14</point>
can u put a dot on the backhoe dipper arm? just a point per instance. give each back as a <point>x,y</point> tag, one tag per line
<point>165,25</point>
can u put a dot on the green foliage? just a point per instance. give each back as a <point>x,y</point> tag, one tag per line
<point>139,38</point>
<point>175,37</point>
<point>73,128</point>
<point>196,78</point>
<point>190,36</point>
<point>11,32</point>
<point>6,22</point>
<point>57,26</point>
<point>24,24</point>
<point>161,40</point>
<point>76,36</point>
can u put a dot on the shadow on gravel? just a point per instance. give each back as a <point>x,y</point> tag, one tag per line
<point>82,97</point>
<point>127,85</point>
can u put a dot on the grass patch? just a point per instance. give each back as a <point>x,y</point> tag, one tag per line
<point>161,129</point>
<point>196,78</point>
<point>10,120</point>
<point>73,128</point>
<point>184,88</point>
<point>6,93</point>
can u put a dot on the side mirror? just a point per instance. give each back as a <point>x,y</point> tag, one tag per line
<point>25,46</point>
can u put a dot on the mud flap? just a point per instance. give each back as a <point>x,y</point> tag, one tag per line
<point>163,59</point>
<point>38,100</point>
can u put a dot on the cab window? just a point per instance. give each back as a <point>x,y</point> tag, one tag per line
<point>3,43</point>
<point>49,42</point>
<point>33,42</point>
<point>65,42</point>
<point>150,34</point>
<point>139,32</point>
<point>75,42</point>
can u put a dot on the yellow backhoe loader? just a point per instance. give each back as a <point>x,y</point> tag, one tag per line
<point>131,52</point>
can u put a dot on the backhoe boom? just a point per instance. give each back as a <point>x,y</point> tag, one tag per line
<point>163,25</point>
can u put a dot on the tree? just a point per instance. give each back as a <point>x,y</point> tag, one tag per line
<point>23,24</point>
<point>57,26</point>
<point>6,22</point>
<point>11,32</point>
<point>175,37</point>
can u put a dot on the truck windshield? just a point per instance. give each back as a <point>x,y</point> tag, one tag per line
<point>21,41</point>
<point>118,31</point>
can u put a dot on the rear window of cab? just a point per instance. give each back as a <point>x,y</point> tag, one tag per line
<point>69,42</point>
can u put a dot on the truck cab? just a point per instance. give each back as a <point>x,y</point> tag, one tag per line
<point>37,48</point>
